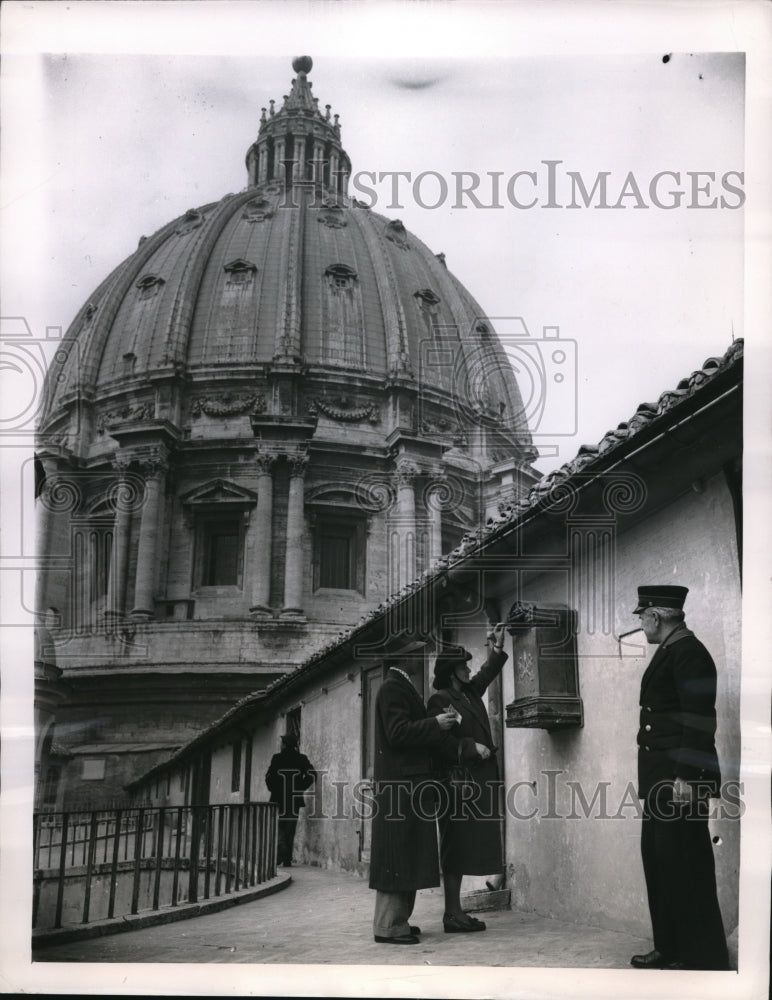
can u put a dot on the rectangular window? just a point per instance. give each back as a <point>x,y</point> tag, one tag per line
<point>339,553</point>
<point>292,722</point>
<point>93,769</point>
<point>220,552</point>
<point>236,767</point>
<point>51,786</point>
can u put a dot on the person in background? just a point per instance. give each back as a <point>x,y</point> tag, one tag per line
<point>678,773</point>
<point>470,822</point>
<point>289,775</point>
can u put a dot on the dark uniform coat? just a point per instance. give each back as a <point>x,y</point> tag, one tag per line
<point>471,824</point>
<point>404,835</point>
<point>288,776</point>
<point>676,739</point>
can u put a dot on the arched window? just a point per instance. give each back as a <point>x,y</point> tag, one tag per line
<point>343,325</point>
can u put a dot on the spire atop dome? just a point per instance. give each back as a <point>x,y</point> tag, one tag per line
<point>298,144</point>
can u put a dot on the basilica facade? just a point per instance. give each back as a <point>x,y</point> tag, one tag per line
<point>279,411</point>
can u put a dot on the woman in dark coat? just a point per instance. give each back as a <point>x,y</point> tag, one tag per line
<point>470,826</point>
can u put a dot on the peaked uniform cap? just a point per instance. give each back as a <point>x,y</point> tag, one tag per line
<point>662,596</point>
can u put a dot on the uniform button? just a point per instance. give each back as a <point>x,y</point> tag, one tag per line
<point>648,708</point>
<point>647,728</point>
<point>645,748</point>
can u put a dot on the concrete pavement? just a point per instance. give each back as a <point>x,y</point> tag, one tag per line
<point>325,918</point>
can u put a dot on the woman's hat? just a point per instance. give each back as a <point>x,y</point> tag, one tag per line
<point>448,658</point>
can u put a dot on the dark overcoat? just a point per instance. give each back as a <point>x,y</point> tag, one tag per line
<point>676,736</point>
<point>470,817</point>
<point>676,739</point>
<point>290,773</point>
<point>404,853</point>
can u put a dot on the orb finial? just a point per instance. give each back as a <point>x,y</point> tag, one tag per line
<point>302,64</point>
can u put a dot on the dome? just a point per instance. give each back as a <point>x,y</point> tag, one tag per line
<point>290,272</point>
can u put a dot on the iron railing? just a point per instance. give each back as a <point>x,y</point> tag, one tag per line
<point>113,862</point>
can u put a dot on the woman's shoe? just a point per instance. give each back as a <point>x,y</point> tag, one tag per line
<point>457,925</point>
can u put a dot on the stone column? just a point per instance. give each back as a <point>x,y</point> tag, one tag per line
<point>403,535</point>
<point>334,168</point>
<point>293,564</point>
<point>55,546</point>
<point>434,500</point>
<point>278,161</point>
<point>262,165</point>
<point>43,532</point>
<point>318,170</point>
<point>298,156</point>
<point>155,468</point>
<point>260,538</point>
<point>124,500</point>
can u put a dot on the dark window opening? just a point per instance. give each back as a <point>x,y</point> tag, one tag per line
<point>339,553</point>
<point>236,767</point>
<point>51,786</point>
<point>292,722</point>
<point>221,550</point>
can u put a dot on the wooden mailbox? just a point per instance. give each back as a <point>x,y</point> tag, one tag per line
<point>545,667</point>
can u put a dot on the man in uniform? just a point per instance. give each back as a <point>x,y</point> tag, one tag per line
<point>678,772</point>
<point>289,775</point>
<point>404,855</point>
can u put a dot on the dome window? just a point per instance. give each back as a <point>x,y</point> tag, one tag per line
<point>258,210</point>
<point>427,298</point>
<point>428,308</point>
<point>342,333</point>
<point>340,276</point>
<point>149,285</point>
<point>240,272</point>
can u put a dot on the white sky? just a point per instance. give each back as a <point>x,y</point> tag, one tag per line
<point>143,110</point>
<point>115,144</point>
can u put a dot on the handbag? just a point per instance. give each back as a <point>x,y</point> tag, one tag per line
<point>460,776</point>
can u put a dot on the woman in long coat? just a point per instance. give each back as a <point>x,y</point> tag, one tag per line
<point>470,823</point>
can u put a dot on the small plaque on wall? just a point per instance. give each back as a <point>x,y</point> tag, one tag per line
<point>545,667</point>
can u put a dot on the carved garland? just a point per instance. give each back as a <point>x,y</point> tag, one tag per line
<point>343,411</point>
<point>125,415</point>
<point>228,405</point>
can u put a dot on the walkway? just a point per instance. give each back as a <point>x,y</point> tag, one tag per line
<point>325,918</point>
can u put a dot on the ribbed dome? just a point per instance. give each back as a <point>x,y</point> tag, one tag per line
<point>236,284</point>
<point>291,271</point>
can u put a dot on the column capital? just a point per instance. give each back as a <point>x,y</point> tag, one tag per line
<point>298,463</point>
<point>406,472</point>
<point>154,461</point>
<point>121,461</point>
<point>265,461</point>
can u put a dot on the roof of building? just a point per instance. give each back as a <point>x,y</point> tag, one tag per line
<point>704,384</point>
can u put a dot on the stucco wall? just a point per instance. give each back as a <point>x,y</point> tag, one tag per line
<point>588,869</point>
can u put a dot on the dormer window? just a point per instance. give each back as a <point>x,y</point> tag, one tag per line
<point>427,298</point>
<point>149,285</point>
<point>240,271</point>
<point>341,277</point>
